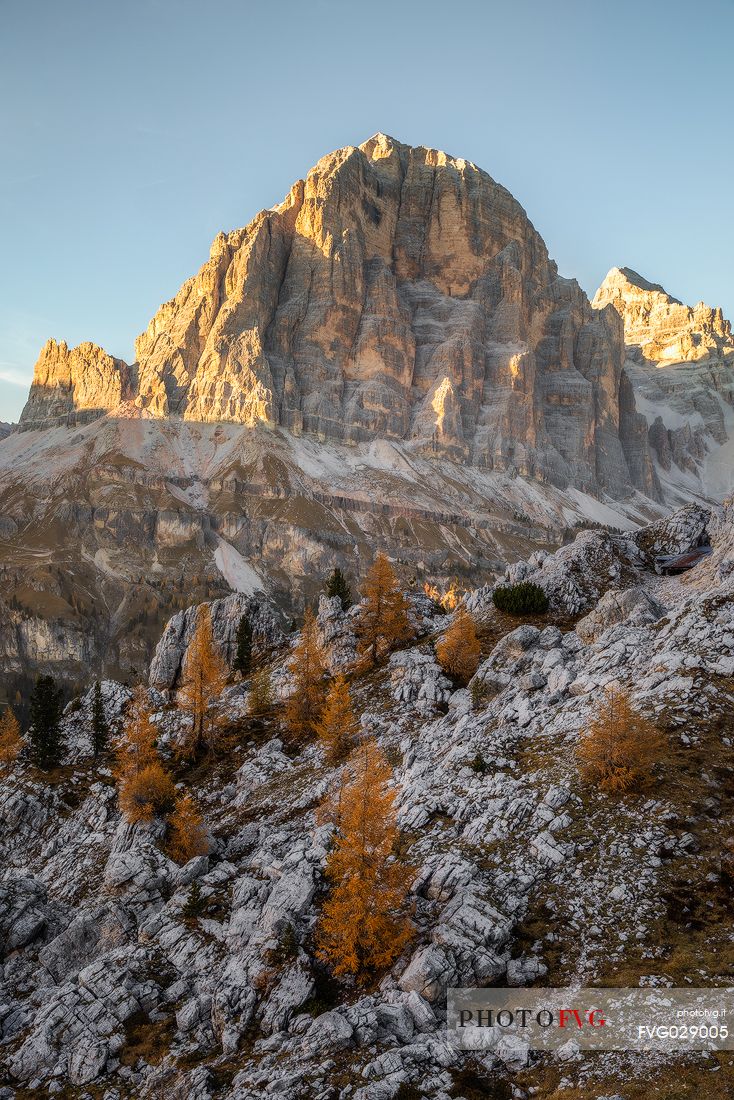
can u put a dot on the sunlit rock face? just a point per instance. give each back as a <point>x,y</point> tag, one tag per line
<point>402,294</point>
<point>77,383</point>
<point>680,362</point>
<point>659,328</point>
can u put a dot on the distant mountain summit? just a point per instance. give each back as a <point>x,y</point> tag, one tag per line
<point>658,327</point>
<point>680,361</point>
<point>397,293</point>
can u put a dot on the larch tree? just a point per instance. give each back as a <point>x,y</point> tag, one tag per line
<point>365,922</point>
<point>11,740</point>
<point>458,649</point>
<point>243,655</point>
<point>100,727</point>
<point>260,699</point>
<point>337,585</point>
<point>187,832</point>
<point>147,794</point>
<point>620,747</point>
<point>383,622</point>
<point>46,739</point>
<point>204,677</point>
<point>338,728</point>
<point>145,789</point>
<point>304,706</point>
<point>137,748</point>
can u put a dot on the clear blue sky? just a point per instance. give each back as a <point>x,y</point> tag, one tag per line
<point>134,130</point>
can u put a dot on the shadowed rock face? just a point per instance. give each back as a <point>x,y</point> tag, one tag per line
<point>396,293</point>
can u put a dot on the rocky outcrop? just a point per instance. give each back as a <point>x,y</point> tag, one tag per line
<point>77,384</point>
<point>226,615</point>
<point>397,293</point>
<point>632,605</point>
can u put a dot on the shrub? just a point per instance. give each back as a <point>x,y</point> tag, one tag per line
<point>479,764</point>
<point>479,693</point>
<point>524,598</point>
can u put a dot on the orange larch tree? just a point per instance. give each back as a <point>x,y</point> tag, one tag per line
<point>11,740</point>
<point>620,747</point>
<point>338,728</point>
<point>304,706</point>
<point>458,649</point>
<point>137,747</point>
<point>383,621</point>
<point>204,677</point>
<point>365,922</point>
<point>145,789</point>
<point>187,832</point>
<point>147,793</point>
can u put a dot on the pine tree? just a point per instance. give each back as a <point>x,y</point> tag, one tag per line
<point>619,749</point>
<point>304,706</point>
<point>11,741</point>
<point>337,585</point>
<point>187,834</point>
<point>458,649</point>
<point>524,598</point>
<point>338,728</point>
<point>260,700</point>
<point>46,740</point>
<point>364,923</point>
<point>383,622</point>
<point>195,903</point>
<point>243,656</point>
<point>204,677</point>
<point>100,729</point>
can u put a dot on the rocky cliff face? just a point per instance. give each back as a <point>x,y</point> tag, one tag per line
<point>680,363</point>
<point>397,293</point>
<point>76,384</point>
<point>659,328</point>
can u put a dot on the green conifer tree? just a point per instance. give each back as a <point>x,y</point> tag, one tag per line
<point>243,656</point>
<point>46,739</point>
<point>100,728</point>
<point>337,585</point>
<point>195,903</point>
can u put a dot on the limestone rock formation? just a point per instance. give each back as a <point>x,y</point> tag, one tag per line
<point>680,364</point>
<point>396,293</point>
<point>658,327</point>
<point>74,384</point>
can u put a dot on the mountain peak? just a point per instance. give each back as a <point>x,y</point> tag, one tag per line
<point>659,325</point>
